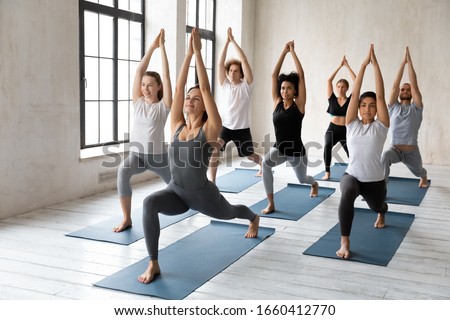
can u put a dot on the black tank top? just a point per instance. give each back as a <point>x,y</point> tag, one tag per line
<point>335,109</point>
<point>288,130</point>
<point>189,160</point>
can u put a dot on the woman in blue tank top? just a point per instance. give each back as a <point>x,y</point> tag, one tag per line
<point>193,139</point>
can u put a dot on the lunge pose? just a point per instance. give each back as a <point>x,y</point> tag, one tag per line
<point>236,80</point>
<point>289,99</point>
<point>189,152</point>
<point>147,144</point>
<point>406,117</point>
<point>337,108</point>
<point>365,138</point>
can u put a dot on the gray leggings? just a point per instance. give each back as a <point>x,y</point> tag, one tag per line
<point>412,159</point>
<point>176,200</point>
<point>373,192</point>
<point>137,163</point>
<point>274,158</point>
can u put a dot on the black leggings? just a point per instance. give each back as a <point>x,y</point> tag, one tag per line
<point>334,135</point>
<point>373,192</point>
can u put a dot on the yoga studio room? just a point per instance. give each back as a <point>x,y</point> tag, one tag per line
<point>224,150</point>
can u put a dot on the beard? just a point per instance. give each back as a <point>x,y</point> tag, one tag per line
<point>405,97</point>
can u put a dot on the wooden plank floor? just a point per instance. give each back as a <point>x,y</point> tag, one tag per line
<point>38,262</point>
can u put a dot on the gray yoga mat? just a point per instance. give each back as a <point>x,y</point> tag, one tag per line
<point>190,262</point>
<point>293,202</point>
<point>367,244</point>
<point>102,231</point>
<point>405,191</point>
<point>237,180</point>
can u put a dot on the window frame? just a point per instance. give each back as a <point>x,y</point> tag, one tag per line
<point>208,35</point>
<point>115,13</point>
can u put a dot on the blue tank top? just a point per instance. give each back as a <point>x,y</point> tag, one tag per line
<point>189,160</point>
<point>288,130</point>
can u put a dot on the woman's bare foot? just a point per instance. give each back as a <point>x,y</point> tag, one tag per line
<point>259,173</point>
<point>423,183</point>
<point>380,222</point>
<point>327,176</point>
<point>269,209</point>
<point>152,270</point>
<point>314,190</point>
<point>344,251</point>
<point>125,224</point>
<point>253,228</point>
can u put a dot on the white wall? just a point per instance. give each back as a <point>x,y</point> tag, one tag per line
<point>326,30</point>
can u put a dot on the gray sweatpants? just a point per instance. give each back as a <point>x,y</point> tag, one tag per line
<point>412,159</point>
<point>176,200</point>
<point>137,163</point>
<point>274,158</point>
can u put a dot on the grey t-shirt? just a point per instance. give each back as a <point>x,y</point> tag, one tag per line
<point>405,123</point>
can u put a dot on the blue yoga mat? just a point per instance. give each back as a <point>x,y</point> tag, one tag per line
<point>405,191</point>
<point>102,231</point>
<point>237,180</point>
<point>293,202</point>
<point>190,262</point>
<point>336,170</point>
<point>367,244</point>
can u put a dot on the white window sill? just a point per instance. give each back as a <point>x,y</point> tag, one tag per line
<point>101,152</point>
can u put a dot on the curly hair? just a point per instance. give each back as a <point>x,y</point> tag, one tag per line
<point>292,78</point>
<point>229,63</point>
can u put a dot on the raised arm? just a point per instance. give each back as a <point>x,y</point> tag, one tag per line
<point>415,92</point>
<point>221,70</point>
<point>352,74</point>
<point>393,98</point>
<point>167,84</point>
<point>276,72</point>
<point>248,74</point>
<point>177,115</point>
<point>331,78</point>
<point>142,67</point>
<point>382,111</point>
<point>301,90</point>
<point>213,125</point>
<point>352,111</point>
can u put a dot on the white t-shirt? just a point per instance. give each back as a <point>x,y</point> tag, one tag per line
<point>235,113</point>
<point>365,144</point>
<point>147,134</point>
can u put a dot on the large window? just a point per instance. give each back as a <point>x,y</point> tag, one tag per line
<point>111,46</point>
<point>201,14</point>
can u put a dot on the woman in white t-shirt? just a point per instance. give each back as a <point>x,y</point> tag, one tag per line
<point>147,143</point>
<point>365,138</point>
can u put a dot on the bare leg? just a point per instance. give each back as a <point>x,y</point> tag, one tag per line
<point>326,176</point>
<point>152,270</point>
<point>344,251</point>
<point>256,159</point>
<point>253,227</point>
<point>314,190</point>
<point>271,206</point>
<point>423,183</point>
<point>380,223</point>
<point>125,203</point>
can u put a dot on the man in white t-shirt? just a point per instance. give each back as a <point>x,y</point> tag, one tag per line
<point>236,79</point>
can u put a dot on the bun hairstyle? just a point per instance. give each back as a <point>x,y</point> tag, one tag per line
<point>292,78</point>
